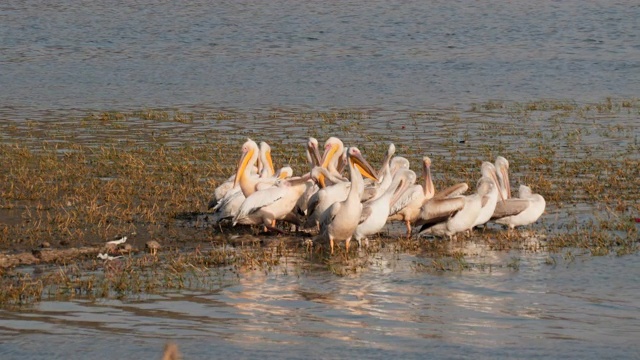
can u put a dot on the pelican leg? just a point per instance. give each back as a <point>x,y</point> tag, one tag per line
<point>270,224</point>
<point>346,244</point>
<point>331,244</point>
<point>408,224</point>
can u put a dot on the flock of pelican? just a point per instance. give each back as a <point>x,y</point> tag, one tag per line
<point>341,208</point>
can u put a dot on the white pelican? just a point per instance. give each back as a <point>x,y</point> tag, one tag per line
<point>229,206</point>
<point>338,191</point>
<point>221,191</point>
<point>248,183</point>
<point>409,205</point>
<point>502,173</point>
<point>333,150</point>
<point>375,212</point>
<point>265,206</point>
<point>377,189</point>
<point>313,154</point>
<point>488,171</point>
<point>264,169</point>
<point>340,220</point>
<point>449,216</point>
<point>265,163</point>
<point>397,163</point>
<point>512,212</point>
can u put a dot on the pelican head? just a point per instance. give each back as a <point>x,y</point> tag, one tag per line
<point>502,167</point>
<point>403,179</point>
<point>285,172</point>
<point>485,186</point>
<point>488,170</point>
<point>354,156</point>
<point>249,157</point>
<point>332,146</point>
<point>313,154</point>
<point>429,189</point>
<point>329,160</point>
<point>265,164</point>
<point>398,163</point>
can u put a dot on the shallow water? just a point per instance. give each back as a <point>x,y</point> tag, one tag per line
<point>390,61</point>
<point>587,308</point>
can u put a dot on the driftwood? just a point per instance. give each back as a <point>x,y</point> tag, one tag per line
<point>47,255</point>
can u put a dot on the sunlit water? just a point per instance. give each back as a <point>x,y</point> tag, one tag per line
<point>586,309</point>
<point>391,58</point>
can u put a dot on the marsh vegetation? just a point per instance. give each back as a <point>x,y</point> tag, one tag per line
<point>71,184</point>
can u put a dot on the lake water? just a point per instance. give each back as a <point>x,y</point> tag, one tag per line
<point>70,57</point>
<point>256,54</point>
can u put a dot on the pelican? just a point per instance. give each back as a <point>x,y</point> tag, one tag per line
<point>512,212</point>
<point>229,206</point>
<point>265,206</point>
<point>248,183</point>
<point>264,169</point>
<point>502,174</point>
<point>488,171</point>
<point>221,191</point>
<point>449,216</point>
<point>377,189</point>
<point>375,212</point>
<point>409,206</point>
<point>397,163</point>
<point>329,160</point>
<point>339,190</point>
<point>265,163</point>
<point>340,220</point>
<point>313,155</point>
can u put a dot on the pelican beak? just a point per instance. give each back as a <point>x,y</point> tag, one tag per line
<point>284,173</point>
<point>272,170</point>
<point>242,165</point>
<point>312,147</point>
<point>505,179</point>
<point>496,183</point>
<point>322,182</point>
<point>429,189</point>
<point>329,153</point>
<point>399,191</point>
<point>365,168</point>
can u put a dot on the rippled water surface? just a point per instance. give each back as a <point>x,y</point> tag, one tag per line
<point>388,59</point>
<point>586,309</point>
<point>252,54</point>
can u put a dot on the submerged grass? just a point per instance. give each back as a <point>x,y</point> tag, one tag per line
<point>149,174</point>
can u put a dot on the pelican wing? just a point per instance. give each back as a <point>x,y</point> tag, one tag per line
<point>329,215</point>
<point>407,197</point>
<point>229,205</point>
<point>366,212</point>
<point>259,200</point>
<point>438,210</point>
<point>485,200</point>
<point>510,207</point>
<point>455,190</point>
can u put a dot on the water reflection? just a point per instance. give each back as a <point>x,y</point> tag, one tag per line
<point>593,304</point>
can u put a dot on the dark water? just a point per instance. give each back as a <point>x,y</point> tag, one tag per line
<point>394,57</point>
<point>256,54</point>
